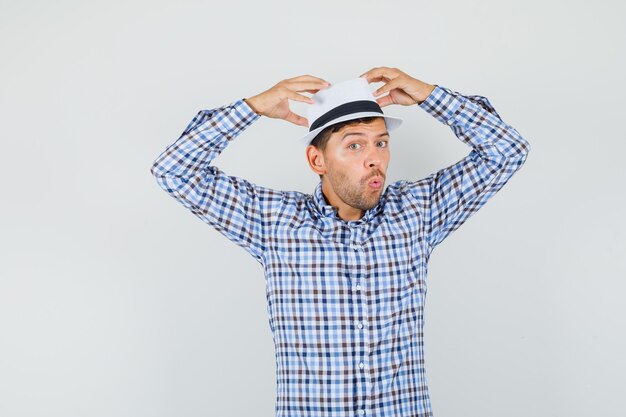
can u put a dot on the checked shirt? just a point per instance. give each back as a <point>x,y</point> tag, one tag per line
<point>345,299</point>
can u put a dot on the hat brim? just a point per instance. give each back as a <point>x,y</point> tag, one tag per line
<point>390,121</point>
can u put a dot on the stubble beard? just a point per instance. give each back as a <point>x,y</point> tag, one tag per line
<point>359,196</point>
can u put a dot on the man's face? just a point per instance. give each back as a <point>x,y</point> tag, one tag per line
<point>354,155</point>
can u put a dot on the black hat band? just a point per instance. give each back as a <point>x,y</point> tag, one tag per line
<point>346,108</point>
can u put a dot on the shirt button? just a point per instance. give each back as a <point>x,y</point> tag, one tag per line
<point>358,287</point>
<point>450,121</point>
<point>361,365</point>
<point>361,412</point>
<point>359,325</point>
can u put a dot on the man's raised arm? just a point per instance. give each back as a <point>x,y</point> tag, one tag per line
<point>237,208</point>
<point>452,194</point>
<point>449,196</point>
<point>234,206</point>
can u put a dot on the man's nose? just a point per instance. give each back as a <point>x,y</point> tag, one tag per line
<point>373,160</point>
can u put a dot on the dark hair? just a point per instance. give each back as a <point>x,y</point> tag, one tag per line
<point>321,140</point>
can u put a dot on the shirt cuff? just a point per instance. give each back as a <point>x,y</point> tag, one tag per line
<point>230,119</point>
<point>249,112</point>
<point>443,104</point>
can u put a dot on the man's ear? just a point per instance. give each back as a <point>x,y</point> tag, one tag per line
<point>316,159</point>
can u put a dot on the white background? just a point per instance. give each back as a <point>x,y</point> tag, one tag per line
<point>115,301</point>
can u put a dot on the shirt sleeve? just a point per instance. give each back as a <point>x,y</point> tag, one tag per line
<point>235,207</point>
<point>452,194</point>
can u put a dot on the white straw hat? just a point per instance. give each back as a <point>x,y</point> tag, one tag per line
<point>343,101</point>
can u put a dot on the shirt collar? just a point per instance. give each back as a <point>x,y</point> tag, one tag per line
<point>329,210</point>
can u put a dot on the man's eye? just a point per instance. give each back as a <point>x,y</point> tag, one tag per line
<point>352,144</point>
<point>385,142</point>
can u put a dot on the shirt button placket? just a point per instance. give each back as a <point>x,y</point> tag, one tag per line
<point>360,324</point>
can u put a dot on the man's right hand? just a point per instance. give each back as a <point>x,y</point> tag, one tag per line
<point>274,101</point>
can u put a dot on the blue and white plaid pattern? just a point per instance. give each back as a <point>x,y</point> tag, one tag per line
<point>345,299</point>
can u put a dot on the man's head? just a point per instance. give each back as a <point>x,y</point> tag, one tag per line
<point>347,155</point>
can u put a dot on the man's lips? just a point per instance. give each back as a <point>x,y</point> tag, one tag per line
<point>375,182</point>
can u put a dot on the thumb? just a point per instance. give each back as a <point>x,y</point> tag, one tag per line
<point>296,119</point>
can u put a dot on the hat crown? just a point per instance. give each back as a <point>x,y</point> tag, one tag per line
<point>343,101</point>
<point>328,98</point>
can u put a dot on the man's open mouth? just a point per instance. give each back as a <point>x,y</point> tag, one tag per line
<point>376,182</point>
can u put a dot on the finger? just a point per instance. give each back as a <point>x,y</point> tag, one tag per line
<point>299,97</point>
<point>297,119</point>
<point>381,73</point>
<point>384,101</point>
<point>315,90</point>
<point>380,78</point>
<point>308,85</point>
<point>387,87</point>
<point>368,74</point>
<point>365,74</point>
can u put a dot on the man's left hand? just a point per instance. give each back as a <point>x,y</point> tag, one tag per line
<point>403,89</point>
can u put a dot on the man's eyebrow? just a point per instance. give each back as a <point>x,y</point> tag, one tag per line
<point>363,134</point>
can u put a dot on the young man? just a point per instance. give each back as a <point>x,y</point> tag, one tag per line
<point>345,267</point>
